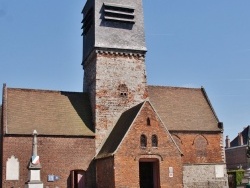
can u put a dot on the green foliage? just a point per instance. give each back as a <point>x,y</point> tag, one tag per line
<point>238,174</point>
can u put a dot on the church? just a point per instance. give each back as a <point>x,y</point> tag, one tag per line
<point>119,132</point>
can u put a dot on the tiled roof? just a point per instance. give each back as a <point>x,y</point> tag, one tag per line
<point>183,109</point>
<point>69,113</point>
<point>49,112</point>
<point>119,131</point>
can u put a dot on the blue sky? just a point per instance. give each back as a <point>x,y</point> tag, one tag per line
<point>191,43</point>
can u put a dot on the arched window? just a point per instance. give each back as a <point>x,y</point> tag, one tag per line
<point>143,141</point>
<point>154,141</point>
<point>200,144</point>
<point>148,122</point>
<point>12,168</point>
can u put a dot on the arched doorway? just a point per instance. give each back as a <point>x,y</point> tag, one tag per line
<point>149,173</point>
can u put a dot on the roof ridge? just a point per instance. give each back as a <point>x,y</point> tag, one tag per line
<point>42,90</point>
<point>175,87</point>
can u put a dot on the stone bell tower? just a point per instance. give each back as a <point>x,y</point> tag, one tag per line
<point>113,60</point>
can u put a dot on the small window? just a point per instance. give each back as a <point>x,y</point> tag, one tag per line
<point>154,141</point>
<point>148,121</point>
<point>123,90</point>
<point>143,141</point>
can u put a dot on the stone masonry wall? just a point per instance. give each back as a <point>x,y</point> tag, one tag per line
<point>58,156</point>
<point>204,176</point>
<point>120,83</point>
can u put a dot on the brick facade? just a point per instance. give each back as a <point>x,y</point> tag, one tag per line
<point>200,160</point>
<point>213,151</point>
<point>105,172</point>
<point>58,156</point>
<point>130,153</point>
<point>237,150</point>
<point>236,157</point>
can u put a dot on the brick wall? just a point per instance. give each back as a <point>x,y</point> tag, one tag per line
<point>105,173</point>
<point>104,73</point>
<point>236,157</point>
<point>58,156</point>
<point>200,161</point>
<point>130,153</point>
<point>214,150</point>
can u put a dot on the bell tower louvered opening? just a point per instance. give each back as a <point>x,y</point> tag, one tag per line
<point>87,21</point>
<point>120,13</point>
<point>113,25</point>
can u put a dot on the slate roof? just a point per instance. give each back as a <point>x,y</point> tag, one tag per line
<point>49,112</point>
<point>183,109</point>
<point>119,131</point>
<point>245,134</point>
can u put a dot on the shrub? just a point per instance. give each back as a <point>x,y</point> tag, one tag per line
<point>238,174</point>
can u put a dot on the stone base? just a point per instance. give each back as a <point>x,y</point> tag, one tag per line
<point>34,184</point>
<point>34,175</point>
<point>205,176</point>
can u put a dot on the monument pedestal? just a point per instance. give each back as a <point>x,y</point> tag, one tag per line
<point>34,177</point>
<point>34,167</point>
<point>34,184</point>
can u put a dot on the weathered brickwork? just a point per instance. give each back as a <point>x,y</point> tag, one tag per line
<point>199,159</point>
<point>105,173</point>
<point>108,102</point>
<point>213,151</point>
<point>89,80</point>
<point>58,156</point>
<point>236,157</point>
<point>130,153</point>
